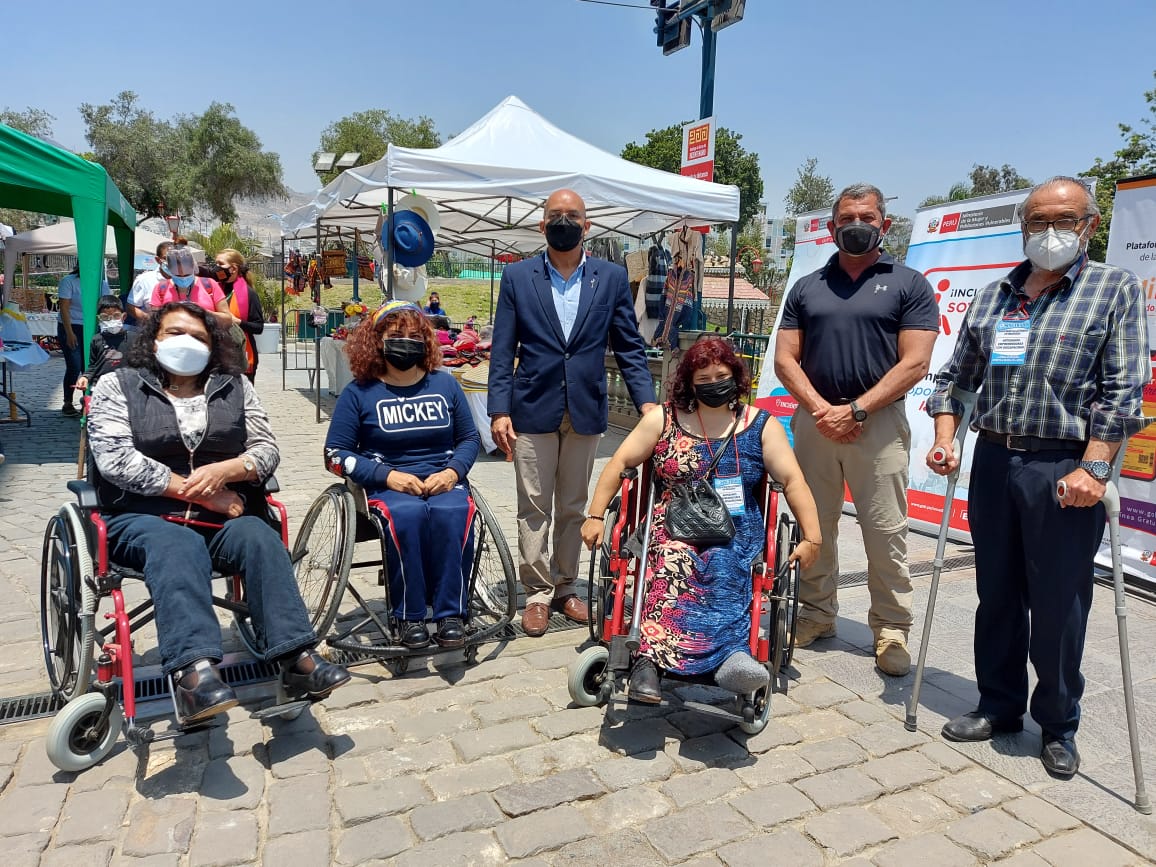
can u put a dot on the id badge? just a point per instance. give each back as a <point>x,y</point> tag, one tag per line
<point>730,491</point>
<point>1010,346</point>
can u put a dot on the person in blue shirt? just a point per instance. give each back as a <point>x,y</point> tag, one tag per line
<point>402,430</point>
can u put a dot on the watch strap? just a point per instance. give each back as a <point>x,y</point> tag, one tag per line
<point>1098,470</point>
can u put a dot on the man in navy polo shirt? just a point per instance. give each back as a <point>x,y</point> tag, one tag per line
<point>855,336</point>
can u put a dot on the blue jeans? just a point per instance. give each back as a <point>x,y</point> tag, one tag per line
<point>73,357</point>
<point>177,561</point>
<point>429,552</point>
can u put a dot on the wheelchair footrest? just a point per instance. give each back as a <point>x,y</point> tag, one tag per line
<point>713,710</point>
<point>290,709</point>
<point>619,654</point>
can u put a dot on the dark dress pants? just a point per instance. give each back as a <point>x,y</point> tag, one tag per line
<point>1033,570</point>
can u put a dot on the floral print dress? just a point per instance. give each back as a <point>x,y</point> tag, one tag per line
<point>697,610</point>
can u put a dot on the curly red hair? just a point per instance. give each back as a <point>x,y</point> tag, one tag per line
<point>363,346</point>
<point>705,352</point>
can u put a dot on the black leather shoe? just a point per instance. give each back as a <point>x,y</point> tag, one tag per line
<point>978,726</point>
<point>1060,757</point>
<point>414,634</point>
<point>451,632</point>
<point>644,682</point>
<point>309,675</point>
<point>199,692</point>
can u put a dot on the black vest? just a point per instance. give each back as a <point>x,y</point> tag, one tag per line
<point>155,434</point>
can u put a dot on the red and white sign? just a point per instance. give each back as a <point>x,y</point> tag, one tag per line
<point>698,149</point>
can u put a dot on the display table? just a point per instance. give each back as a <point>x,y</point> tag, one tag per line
<point>336,364</point>
<point>19,350</point>
<point>42,324</point>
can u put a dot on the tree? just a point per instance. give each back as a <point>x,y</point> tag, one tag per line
<point>1136,157</point>
<point>33,121</point>
<point>226,162</point>
<point>982,181</point>
<point>733,164</point>
<point>142,153</point>
<point>370,133</point>
<point>811,191</point>
<point>898,237</point>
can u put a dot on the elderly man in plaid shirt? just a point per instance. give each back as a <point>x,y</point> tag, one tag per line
<point>1058,351</point>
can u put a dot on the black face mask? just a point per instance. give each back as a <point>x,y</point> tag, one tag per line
<point>564,235</point>
<point>403,353</point>
<point>716,394</point>
<point>222,275</point>
<point>857,239</point>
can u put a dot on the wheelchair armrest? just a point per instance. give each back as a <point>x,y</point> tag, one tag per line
<point>360,500</point>
<point>629,473</point>
<point>85,493</point>
<point>271,485</point>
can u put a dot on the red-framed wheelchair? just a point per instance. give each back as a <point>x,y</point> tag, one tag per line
<point>340,520</point>
<point>616,597</point>
<point>90,664</point>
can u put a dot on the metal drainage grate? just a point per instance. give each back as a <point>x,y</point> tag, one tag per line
<point>923,567</point>
<point>151,686</point>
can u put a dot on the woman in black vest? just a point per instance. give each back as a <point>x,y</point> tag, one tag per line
<point>178,433</point>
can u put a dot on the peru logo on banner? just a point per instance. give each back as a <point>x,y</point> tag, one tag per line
<point>698,149</point>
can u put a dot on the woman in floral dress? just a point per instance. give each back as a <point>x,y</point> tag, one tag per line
<point>696,619</point>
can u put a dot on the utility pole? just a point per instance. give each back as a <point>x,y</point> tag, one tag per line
<point>674,19</point>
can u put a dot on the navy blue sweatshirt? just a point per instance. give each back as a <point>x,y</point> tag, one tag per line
<point>419,429</point>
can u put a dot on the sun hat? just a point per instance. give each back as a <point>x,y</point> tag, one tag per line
<point>409,238</point>
<point>424,208</point>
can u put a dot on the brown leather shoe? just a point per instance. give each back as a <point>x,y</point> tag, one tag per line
<point>573,608</point>
<point>536,619</point>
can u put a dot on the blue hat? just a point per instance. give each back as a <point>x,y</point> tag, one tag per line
<point>412,238</point>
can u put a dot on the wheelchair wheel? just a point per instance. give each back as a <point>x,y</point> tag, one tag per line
<point>493,584</point>
<point>786,591</point>
<point>322,553</point>
<point>599,581</point>
<point>67,603</point>
<point>587,679</point>
<point>81,735</point>
<point>762,703</point>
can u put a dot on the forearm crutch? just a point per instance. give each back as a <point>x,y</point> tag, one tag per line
<point>1112,505</point>
<point>967,399</point>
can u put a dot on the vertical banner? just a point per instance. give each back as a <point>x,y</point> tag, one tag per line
<point>960,247</point>
<point>1132,245</point>
<point>698,149</point>
<point>813,247</point>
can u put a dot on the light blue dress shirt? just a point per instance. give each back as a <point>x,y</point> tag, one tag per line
<point>566,293</point>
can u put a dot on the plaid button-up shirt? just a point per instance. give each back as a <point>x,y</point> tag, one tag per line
<point>1086,365</point>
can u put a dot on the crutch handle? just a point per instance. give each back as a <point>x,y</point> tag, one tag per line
<point>1061,490</point>
<point>939,455</point>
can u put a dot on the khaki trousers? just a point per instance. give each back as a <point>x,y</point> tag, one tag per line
<point>874,468</point>
<point>553,475</point>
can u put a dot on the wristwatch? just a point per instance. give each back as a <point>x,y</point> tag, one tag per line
<point>860,415</point>
<point>247,463</point>
<point>1098,470</point>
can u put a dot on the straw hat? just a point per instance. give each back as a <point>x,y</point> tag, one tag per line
<point>423,206</point>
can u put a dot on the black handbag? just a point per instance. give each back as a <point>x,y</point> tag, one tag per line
<point>696,514</point>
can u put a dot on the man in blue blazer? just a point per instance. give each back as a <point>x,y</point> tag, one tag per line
<point>556,315</point>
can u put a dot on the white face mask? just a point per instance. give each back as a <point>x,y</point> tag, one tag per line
<point>1052,250</point>
<point>113,326</point>
<point>182,354</point>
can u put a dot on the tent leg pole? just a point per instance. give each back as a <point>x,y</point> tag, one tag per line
<point>388,251</point>
<point>282,320</point>
<point>731,289</point>
<point>317,329</point>
<point>493,267</point>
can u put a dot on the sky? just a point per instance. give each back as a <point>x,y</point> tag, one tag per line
<point>906,96</point>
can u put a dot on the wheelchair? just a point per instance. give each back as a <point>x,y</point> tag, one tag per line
<point>338,521</point>
<point>617,594</point>
<point>76,575</point>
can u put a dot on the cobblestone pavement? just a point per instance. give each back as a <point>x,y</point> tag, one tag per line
<point>490,764</point>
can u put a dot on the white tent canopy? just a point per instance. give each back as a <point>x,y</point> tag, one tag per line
<point>490,181</point>
<point>60,240</point>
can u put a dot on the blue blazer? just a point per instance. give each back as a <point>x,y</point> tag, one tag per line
<point>555,375</point>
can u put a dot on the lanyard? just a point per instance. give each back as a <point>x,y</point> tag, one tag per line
<point>734,437</point>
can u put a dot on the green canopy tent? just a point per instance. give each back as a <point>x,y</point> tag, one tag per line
<point>38,176</point>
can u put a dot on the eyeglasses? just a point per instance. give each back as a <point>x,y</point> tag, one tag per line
<point>1064,224</point>
<point>112,317</point>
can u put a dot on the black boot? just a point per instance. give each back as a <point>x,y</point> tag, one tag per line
<point>451,632</point>
<point>414,634</point>
<point>644,682</point>
<point>200,693</point>
<point>309,675</point>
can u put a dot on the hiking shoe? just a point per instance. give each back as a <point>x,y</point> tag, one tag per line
<point>808,632</point>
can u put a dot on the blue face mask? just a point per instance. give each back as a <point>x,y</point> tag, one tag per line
<point>184,282</point>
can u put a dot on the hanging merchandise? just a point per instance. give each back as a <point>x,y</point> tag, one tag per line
<point>333,262</point>
<point>636,266</point>
<point>683,285</point>
<point>658,263</point>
